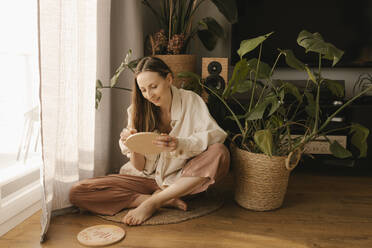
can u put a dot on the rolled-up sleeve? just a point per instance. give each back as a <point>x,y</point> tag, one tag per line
<point>124,149</point>
<point>205,131</point>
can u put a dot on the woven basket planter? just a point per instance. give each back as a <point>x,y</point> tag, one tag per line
<point>179,63</point>
<point>260,181</point>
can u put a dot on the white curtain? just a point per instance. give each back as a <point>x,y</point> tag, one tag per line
<point>68,71</point>
<point>81,41</point>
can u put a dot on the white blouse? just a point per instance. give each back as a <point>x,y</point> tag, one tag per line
<point>195,130</point>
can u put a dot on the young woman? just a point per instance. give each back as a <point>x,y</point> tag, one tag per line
<point>194,156</point>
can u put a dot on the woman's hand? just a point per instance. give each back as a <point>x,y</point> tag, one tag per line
<point>126,133</point>
<point>166,141</point>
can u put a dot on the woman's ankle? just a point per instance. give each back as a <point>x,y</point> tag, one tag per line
<point>139,200</point>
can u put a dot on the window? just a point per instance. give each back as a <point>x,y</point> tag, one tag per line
<point>20,150</point>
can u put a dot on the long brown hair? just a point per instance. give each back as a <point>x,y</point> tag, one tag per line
<point>146,115</point>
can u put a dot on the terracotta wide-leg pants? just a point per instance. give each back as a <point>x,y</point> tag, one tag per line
<point>110,194</point>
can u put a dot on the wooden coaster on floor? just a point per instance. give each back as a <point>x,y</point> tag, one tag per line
<point>100,235</point>
<point>142,143</point>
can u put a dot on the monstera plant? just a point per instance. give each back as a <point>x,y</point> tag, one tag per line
<point>265,148</point>
<point>265,122</point>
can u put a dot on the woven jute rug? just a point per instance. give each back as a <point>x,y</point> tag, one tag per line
<point>198,206</point>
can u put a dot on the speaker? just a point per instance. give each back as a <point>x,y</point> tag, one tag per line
<point>214,72</point>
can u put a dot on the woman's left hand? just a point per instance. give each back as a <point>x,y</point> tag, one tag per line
<point>166,141</point>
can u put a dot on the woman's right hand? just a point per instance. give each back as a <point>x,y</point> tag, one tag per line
<point>126,133</point>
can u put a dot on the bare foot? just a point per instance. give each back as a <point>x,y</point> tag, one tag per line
<point>176,203</point>
<point>140,214</point>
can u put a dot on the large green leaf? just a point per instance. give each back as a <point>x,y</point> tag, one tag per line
<point>244,86</point>
<point>248,45</point>
<point>338,151</point>
<point>309,41</point>
<point>213,26</point>
<point>291,89</point>
<point>359,138</point>
<point>209,30</point>
<point>99,84</point>
<point>124,65</point>
<point>258,112</point>
<point>334,54</point>
<point>228,9</point>
<point>98,94</point>
<point>292,61</point>
<point>335,87</point>
<point>275,121</point>
<point>240,74</point>
<point>315,43</point>
<point>264,141</point>
<point>311,75</point>
<point>98,97</point>
<point>115,78</point>
<point>263,69</point>
<point>208,39</point>
<point>128,57</point>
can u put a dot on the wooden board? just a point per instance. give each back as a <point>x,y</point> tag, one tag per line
<point>100,235</point>
<point>142,143</point>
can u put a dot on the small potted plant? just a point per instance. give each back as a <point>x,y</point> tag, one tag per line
<point>264,149</point>
<point>176,30</point>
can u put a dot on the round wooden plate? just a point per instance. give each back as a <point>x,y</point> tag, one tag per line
<point>100,235</point>
<point>142,143</point>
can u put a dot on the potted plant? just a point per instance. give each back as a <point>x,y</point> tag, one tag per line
<point>175,18</point>
<point>127,63</point>
<point>264,149</point>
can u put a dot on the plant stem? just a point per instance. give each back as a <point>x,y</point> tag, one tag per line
<point>320,66</point>
<point>245,132</point>
<point>170,19</point>
<point>316,109</point>
<point>336,129</point>
<point>289,137</point>
<point>255,78</point>
<point>302,98</point>
<point>262,92</point>
<point>269,81</point>
<point>226,105</point>
<point>333,115</point>
<point>317,96</point>
<point>236,100</point>
<point>276,61</point>
<point>342,107</point>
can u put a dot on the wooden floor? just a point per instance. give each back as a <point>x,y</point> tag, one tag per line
<point>319,211</point>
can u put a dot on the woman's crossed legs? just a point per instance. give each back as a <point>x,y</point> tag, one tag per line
<point>111,194</point>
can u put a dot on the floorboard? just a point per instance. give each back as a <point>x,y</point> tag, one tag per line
<point>319,211</point>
